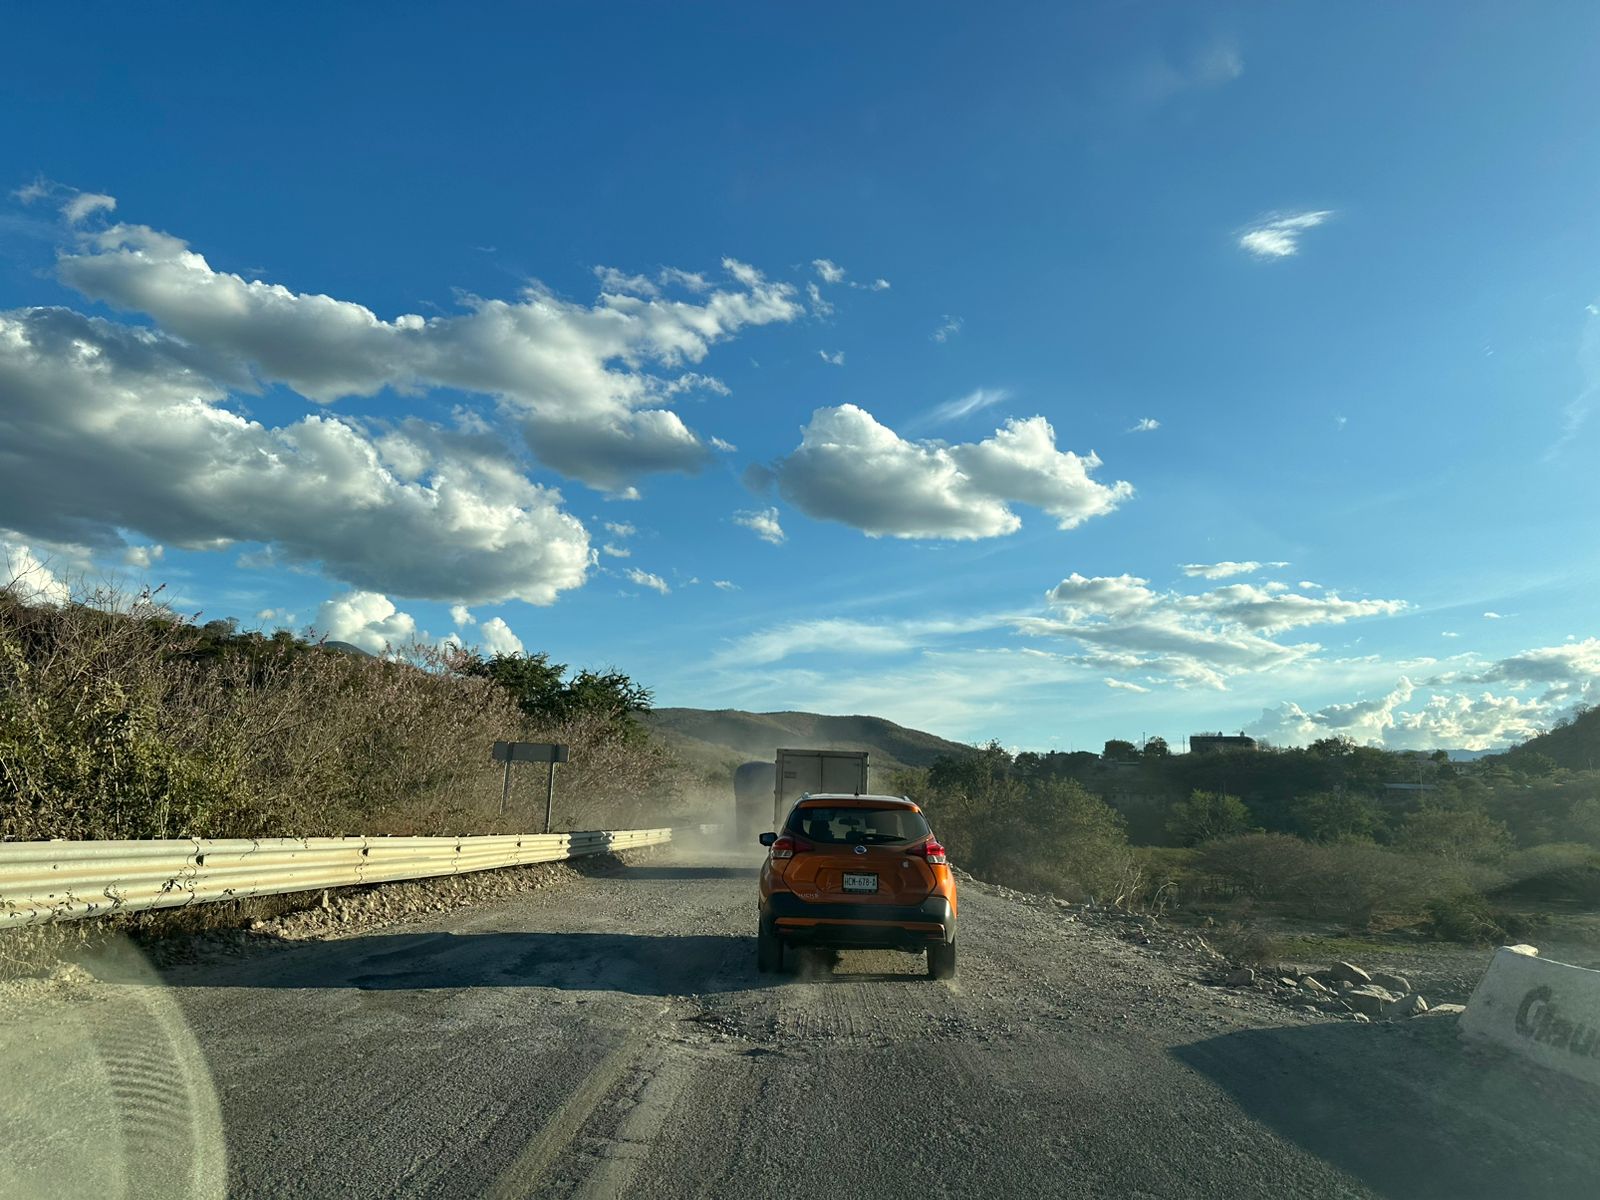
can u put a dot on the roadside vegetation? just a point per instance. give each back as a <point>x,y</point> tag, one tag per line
<point>1347,839</point>
<point>119,718</point>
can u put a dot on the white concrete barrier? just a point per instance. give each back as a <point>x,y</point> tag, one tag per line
<point>1546,1012</point>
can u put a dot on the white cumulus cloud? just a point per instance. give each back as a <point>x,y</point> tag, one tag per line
<point>152,445</point>
<point>852,469</point>
<point>498,638</point>
<point>585,384</point>
<point>28,578</point>
<point>143,556</point>
<point>1187,639</point>
<point>368,620</point>
<point>462,616</point>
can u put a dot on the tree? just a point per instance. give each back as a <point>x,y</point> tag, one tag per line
<point>1207,816</point>
<point>1156,747</point>
<point>1332,747</point>
<point>542,692</point>
<point>1455,835</point>
<point>1333,816</point>
<point>1118,750</point>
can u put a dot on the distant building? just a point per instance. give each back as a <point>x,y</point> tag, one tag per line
<point>1211,743</point>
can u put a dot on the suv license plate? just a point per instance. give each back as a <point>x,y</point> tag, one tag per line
<point>860,883</point>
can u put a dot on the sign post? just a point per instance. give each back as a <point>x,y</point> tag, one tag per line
<point>545,752</point>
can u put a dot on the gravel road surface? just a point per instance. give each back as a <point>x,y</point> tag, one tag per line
<point>610,1037</point>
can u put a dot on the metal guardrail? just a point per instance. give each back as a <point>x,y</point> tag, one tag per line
<point>41,882</point>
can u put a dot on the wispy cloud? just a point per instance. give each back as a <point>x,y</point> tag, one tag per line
<point>948,330</point>
<point>726,585</point>
<point>830,271</point>
<point>645,579</point>
<point>1577,410</point>
<point>616,551</point>
<point>763,523</point>
<point>1210,65</point>
<point>718,444</point>
<point>85,203</point>
<point>1278,235</point>
<point>1145,425</point>
<point>836,358</point>
<point>1225,569</point>
<point>964,406</point>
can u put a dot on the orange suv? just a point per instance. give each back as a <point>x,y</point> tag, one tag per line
<point>857,872</point>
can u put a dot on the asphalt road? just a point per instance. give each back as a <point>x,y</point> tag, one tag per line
<point>610,1037</point>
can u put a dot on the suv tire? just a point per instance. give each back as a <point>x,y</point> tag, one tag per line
<point>769,949</point>
<point>942,960</point>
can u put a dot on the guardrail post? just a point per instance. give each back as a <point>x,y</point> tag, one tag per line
<point>549,795</point>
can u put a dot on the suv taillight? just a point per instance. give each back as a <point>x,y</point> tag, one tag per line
<point>788,847</point>
<point>932,851</point>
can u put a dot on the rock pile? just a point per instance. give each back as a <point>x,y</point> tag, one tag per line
<point>1342,989</point>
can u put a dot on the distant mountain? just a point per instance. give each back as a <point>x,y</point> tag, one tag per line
<point>1575,745</point>
<point>346,648</point>
<point>719,739</point>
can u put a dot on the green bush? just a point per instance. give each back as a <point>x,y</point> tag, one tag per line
<point>1048,835</point>
<point>1469,917</point>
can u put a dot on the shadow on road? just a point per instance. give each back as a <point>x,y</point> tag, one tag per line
<point>692,872</point>
<point>635,964</point>
<point>1411,1113</point>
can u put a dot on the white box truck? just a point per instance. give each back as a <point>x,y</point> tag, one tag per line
<point>802,771</point>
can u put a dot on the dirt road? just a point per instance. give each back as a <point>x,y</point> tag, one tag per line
<point>610,1037</point>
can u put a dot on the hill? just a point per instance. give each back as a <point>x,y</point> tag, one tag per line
<point>717,740</point>
<point>1575,745</point>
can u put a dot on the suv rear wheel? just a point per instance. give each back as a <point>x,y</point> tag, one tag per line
<point>769,949</point>
<point>942,960</point>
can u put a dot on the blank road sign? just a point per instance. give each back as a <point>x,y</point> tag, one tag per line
<point>529,752</point>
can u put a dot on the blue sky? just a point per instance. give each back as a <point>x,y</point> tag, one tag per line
<point>976,367</point>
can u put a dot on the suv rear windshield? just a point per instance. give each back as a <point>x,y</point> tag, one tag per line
<point>852,826</point>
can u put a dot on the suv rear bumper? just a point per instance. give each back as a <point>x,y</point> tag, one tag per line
<point>860,926</point>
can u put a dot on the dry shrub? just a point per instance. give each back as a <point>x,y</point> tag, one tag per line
<point>1351,882</point>
<point>1247,945</point>
<point>119,720</point>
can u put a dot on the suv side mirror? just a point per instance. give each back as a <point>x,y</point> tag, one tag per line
<point>766,839</point>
